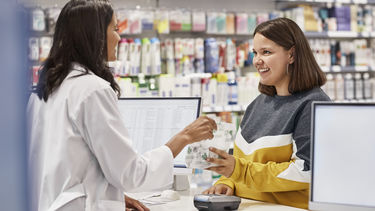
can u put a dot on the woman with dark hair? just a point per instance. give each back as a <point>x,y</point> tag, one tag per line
<point>271,160</point>
<point>80,155</point>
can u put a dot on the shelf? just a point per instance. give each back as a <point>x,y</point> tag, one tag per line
<point>191,34</point>
<point>339,34</point>
<point>328,1</point>
<point>351,69</point>
<point>40,34</point>
<point>186,34</point>
<point>34,63</point>
<point>356,101</point>
<point>191,75</point>
<point>230,108</point>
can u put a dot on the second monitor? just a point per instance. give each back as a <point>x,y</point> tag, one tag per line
<point>152,122</point>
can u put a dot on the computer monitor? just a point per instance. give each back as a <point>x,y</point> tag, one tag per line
<point>152,122</point>
<point>343,156</point>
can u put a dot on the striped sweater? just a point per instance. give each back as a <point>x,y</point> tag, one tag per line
<point>272,149</point>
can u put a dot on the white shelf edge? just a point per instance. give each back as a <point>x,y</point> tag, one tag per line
<point>228,108</point>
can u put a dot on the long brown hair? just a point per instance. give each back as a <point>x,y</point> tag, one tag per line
<point>305,72</point>
<point>81,37</point>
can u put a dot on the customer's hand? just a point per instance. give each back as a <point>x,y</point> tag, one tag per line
<point>219,189</point>
<point>201,129</point>
<point>225,164</point>
<point>132,204</point>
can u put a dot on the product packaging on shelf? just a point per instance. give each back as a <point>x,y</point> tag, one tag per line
<point>368,94</point>
<point>162,21</point>
<point>135,56</point>
<point>123,57</point>
<point>128,89</point>
<point>242,23</point>
<point>251,23</point>
<point>35,73</point>
<point>232,89</point>
<point>175,20</point>
<point>123,21</point>
<point>146,57</point>
<point>211,23</point>
<point>199,21</point>
<point>166,86</point>
<point>230,23</point>
<point>211,55</point>
<point>52,15</point>
<point>358,86</point>
<point>221,22</point>
<point>38,22</point>
<point>339,81</point>
<point>349,87</point>
<point>148,20</point>
<point>155,57</point>
<point>186,21</point>
<point>182,87</point>
<point>33,48</point>
<point>45,47</point>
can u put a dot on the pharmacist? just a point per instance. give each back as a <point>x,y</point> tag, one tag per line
<point>80,155</point>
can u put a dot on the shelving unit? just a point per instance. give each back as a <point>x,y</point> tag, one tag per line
<point>227,108</point>
<point>352,69</point>
<point>249,8</point>
<point>328,1</point>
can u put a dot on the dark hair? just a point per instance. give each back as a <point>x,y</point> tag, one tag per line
<point>81,37</point>
<point>305,73</point>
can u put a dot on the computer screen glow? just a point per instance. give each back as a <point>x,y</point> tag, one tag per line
<point>344,155</point>
<point>153,122</point>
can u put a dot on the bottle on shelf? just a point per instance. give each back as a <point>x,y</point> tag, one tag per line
<point>211,55</point>
<point>367,85</point>
<point>38,21</point>
<point>146,56</point>
<point>153,88</point>
<point>222,89</point>
<point>358,87</point>
<point>329,87</point>
<point>196,87</point>
<point>232,89</point>
<point>142,85</point>
<point>340,94</point>
<point>155,56</point>
<point>349,87</point>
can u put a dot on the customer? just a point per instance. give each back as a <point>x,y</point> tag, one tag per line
<point>271,159</point>
<point>80,155</point>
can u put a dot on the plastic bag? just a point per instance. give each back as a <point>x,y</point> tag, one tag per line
<point>198,152</point>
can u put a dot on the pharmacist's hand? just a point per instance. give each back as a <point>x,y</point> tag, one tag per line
<point>132,204</point>
<point>219,189</point>
<point>225,164</point>
<point>201,129</point>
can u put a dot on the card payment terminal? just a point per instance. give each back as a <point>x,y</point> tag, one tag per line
<point>211,202</point>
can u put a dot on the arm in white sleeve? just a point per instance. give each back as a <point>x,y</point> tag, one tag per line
<point>99,121</point>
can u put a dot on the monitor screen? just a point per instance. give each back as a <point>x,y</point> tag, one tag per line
<point>343,155</point>
<point>152,122</point>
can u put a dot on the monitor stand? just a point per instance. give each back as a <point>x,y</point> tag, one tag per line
<point>181,179</point>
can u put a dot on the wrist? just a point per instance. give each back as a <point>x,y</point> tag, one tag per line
<point>185,137</point>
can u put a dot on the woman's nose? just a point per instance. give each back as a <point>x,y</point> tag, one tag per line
<point>118,37</point>
<point>258,60</point>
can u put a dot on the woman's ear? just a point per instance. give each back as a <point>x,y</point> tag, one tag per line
<point>291,55</point>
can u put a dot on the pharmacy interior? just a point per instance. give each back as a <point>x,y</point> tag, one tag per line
<point>174,48</point>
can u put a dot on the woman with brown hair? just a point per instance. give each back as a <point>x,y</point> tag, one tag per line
<point>80,153</point>
<point>271,160</point>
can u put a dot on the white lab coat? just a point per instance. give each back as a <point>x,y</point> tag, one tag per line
<point>80,155</point>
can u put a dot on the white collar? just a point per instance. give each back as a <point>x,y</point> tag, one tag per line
<point>77,66</point>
